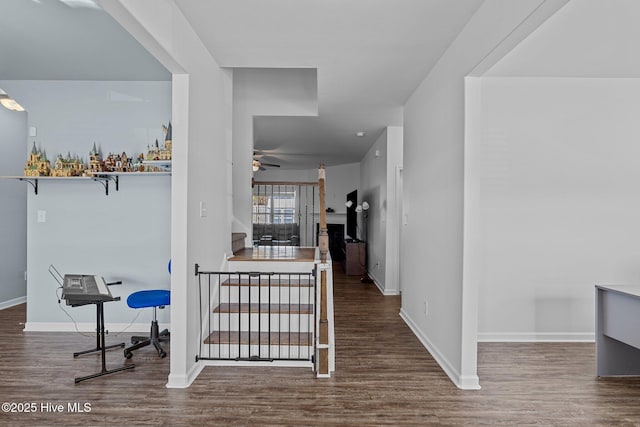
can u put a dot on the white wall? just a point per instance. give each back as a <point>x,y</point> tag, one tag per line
<point>123,236</point>
<point>380,168</point>
<point>202,132</point>
<point>69,116</point>
<point>13,208</point>
<point>263,92</point>
<point>432,239</point>
<point>558,177</point>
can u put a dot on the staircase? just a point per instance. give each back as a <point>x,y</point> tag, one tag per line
<point>259,316</point>
<point>253,315</point>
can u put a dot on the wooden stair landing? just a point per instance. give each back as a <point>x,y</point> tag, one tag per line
<point>266,338</point>
<point>264,308</point>
<point>275,253</point>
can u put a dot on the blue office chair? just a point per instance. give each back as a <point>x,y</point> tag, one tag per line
<point>143,299</point>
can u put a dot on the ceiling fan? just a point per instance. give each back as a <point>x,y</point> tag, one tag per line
<point>260,165</point>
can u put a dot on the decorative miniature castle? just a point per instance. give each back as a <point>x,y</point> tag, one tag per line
<point>118,163</point>
<point>164,153</point>
<point>96,164</point>
<point>68,166</point>
<point>37,165</point>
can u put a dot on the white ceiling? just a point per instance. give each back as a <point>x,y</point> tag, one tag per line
<point>586,38</point>
<point>370,56</point>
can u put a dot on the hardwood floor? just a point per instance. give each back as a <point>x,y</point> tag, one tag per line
<point>270,253</point>
<point>384,377</point>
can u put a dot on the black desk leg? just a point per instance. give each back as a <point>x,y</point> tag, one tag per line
<point>98,338</point>
<point>102,348</point>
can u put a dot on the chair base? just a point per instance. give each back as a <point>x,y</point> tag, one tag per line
<point>154,338</point>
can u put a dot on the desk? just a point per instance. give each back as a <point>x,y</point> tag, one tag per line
<point>618,330</point>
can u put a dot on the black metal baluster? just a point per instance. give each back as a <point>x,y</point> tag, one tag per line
<point>259,315</point>
<point>200,311</point>
<point>279,319</point>
<point>239,317</point>
<point>209,331</point>
<point>299,318</point>
<point>312,315</point>
<point>289,316</point>
<point>269,320</point>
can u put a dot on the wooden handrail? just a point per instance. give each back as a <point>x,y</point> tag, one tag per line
<point>322,362</point>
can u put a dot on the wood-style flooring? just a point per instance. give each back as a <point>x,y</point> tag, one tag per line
<point>384,377</point>
<point>270,253</point>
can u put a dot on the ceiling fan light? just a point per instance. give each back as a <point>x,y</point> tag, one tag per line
<point>256,165</point>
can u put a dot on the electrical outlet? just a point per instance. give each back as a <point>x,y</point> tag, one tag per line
<point>426,308</point>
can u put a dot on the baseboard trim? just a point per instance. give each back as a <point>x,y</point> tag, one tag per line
<point>112,328</point>
<point>13,302</point>
<point>185,381</point>
<point>467,382</point>
<point>385,292</point>
<point>536,337</point>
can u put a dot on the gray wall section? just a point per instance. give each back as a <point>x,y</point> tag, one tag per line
<point>13,208</point>
<point>124,236</point>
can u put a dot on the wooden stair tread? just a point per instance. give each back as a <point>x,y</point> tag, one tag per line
<point>264,281</point>
<point>266,338</point>
<point>264,308</point>
<point>275,253</point>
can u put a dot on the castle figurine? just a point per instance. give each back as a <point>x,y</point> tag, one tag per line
<point>96,164</point>
<point>37,165</point>
<point>118,163</point>
<point>155,152</point>
<point>68,166</point>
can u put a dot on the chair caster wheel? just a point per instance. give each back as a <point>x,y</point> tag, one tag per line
<point>128,355</point>
<point>163,354</point>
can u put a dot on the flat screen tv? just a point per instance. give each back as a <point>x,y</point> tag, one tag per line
<point>352,215</point>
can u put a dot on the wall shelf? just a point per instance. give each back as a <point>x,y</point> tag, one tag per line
<point>103,178</point>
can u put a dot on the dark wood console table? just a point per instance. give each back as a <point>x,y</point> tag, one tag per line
<point>355,258</point>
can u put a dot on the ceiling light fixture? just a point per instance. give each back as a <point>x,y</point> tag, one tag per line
<point>360,134</point>
<point>256,165</point>
<point>8,102</point>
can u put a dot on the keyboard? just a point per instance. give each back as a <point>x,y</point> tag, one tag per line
<point>85,289</point>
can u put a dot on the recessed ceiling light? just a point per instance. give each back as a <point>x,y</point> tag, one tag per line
<point>360,134</point>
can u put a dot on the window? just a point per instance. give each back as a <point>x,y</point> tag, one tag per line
<point>275,208</point>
